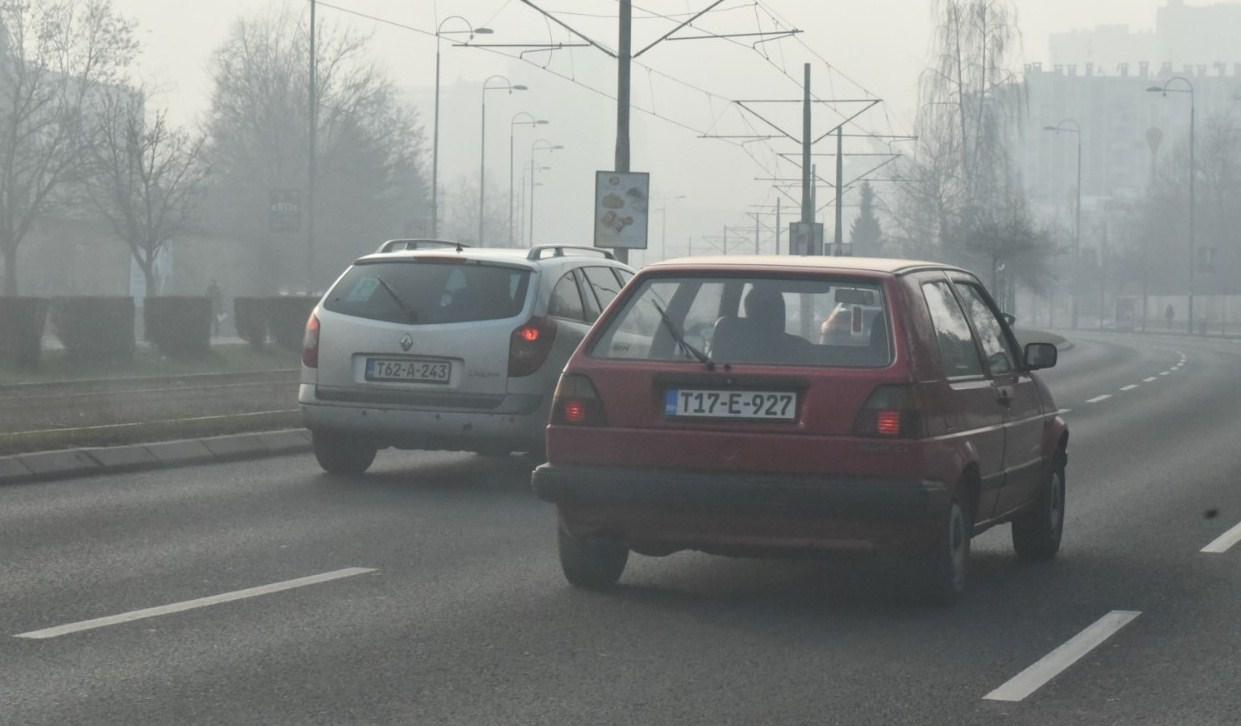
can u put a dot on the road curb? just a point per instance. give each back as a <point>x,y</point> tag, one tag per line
<point>92,461</point>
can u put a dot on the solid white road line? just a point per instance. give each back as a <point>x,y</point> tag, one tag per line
<point>201,602</point>
<point>1020,686</point>
<point>1152,379</point>
<point>1097,399</point>
<point>1129,387</point>
<point>1224,542</point>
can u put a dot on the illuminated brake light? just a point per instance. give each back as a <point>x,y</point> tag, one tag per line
<point>888,423</point>
<point>529,346</point>
<point>891,411</point>
<point>574,412</point>
<point>577,403</point>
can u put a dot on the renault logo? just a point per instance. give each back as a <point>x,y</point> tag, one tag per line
<point>407,342</point>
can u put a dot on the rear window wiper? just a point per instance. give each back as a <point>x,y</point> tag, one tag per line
<point>410,315</point>
<point>682,343</point>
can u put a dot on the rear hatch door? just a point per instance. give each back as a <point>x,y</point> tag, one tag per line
<point>435,327</point>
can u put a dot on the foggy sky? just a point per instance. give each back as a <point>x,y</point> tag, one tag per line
<point>881,44</point>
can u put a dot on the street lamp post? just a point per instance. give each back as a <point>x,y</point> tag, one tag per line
<point>482,148</point>
<point>1164,90</point>
<point>435,134</point>
<point>538,145</point>
<point>1076,130</point>
<point>513,124</point>
<point>663,233</point>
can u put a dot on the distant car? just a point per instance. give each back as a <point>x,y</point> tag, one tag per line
<point>434,345</point>
<point>798,405</point>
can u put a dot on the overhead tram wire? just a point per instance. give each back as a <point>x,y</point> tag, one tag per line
<point>592,89</point>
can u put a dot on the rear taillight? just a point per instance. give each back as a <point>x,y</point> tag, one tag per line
<point>577,403</point>
<point>310,343</point>
<point>890,412</point>
<point>529,346</point>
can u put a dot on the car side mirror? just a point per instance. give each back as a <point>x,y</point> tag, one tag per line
<point>1041,355</point>
<point>1009,319</point>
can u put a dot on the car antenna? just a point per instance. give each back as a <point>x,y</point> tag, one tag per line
<point>460,248</point>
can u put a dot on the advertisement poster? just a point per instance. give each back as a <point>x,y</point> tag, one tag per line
<point>622,204</point>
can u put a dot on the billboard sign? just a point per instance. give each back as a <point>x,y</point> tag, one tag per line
<point>622,206</point>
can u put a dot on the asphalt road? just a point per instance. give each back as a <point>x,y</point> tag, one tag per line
<point>462,616</point>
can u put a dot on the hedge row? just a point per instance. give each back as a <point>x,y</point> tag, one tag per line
<point>95,328</point>
<point>282,319</point>
<point>22,320</point>
<point>180,327</point>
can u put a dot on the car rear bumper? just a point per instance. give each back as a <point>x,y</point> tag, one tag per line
<point>516,425</point>
<point>743,513</point>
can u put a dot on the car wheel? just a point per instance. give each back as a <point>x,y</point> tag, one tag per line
<point>1037,533</point>
<point>342,455</point>
<point>593,564</point>
<point>946,567</point>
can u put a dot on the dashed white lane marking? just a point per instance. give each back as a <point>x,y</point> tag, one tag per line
<point>1020,686</point>
<point>1097,399</point>
<point>1129,387</point>
<point>1224,542</point>
<point>1164,373</point>
<point>1151,379</point>
<point>1064,411</point>
<point>201,602</point>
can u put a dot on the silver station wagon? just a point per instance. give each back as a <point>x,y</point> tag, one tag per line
<point>435,345</point>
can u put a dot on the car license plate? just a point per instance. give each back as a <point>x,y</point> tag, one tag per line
<point>408,370</point>
<point>701,403</point>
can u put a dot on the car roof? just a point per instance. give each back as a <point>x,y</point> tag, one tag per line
<point>507,255</point>
<point>799,263</point>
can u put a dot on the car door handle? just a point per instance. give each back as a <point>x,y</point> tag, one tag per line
<point>1004,396</point>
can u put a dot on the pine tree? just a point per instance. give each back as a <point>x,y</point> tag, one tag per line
<point>866,235</point>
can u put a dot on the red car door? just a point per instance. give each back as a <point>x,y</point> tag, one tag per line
<point>975,411</point>
<point>1017,394</point>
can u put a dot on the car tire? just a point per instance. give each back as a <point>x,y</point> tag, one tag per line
<point>1037,533</point>
<point>945,568</point>
<point>341,454</point>
<point>592,564</point>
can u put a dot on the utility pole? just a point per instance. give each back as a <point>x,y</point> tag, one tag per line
<point>310,166</point>
<point>624,56</point>
<point>624,61</point>
<point>839,249</point>
<point>807,171</point>
<point>726,240</point>
<point>778,225</point>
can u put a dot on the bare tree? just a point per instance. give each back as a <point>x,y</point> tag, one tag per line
<point>369,180</point>
<point>971,107</point>
<point>145,177</point>
<point>56,57</point>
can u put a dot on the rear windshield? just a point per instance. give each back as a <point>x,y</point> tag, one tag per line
<point>760,320</point>
<point>425,292</point>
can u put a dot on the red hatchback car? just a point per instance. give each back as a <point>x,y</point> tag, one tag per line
<point>773,406</point>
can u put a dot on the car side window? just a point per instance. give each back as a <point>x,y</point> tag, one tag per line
<point>952,332</point>
<point>1000,357</point>
<point>589,296</point>
<point>603,282</point>
<point>566,301</point>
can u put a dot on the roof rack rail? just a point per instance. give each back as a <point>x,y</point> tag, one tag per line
<point>536,253</point>
<point>397,245</point>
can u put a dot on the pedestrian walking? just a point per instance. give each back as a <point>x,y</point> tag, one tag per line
<point>1169,315</point>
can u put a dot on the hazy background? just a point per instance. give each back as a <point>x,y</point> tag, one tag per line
<point>879,44</point>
